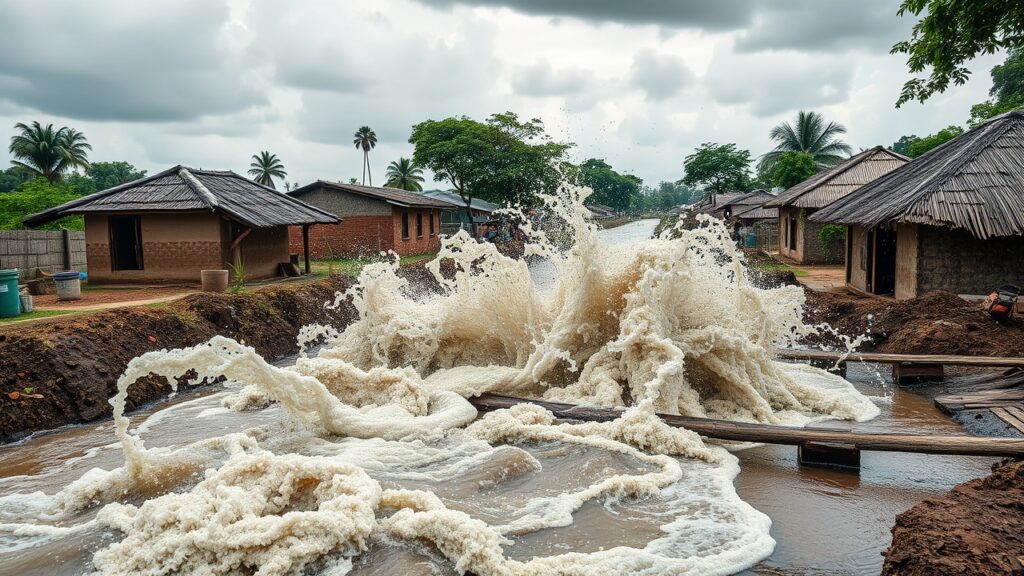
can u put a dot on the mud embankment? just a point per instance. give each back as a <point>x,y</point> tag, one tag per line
<point>63,371</point>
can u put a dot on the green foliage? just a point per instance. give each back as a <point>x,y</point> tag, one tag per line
<point>666,196</point>
<point>265,167</point>
<point>717,168</point>
<point>1007,89</point>
<point>48,153</point>
<point>237,283</point>
<point>13,177</point>
<point>951,33</point>
<point>35,196</point>
<point>610,188</point>
<point>832,237</point>
<point>109,174</point>
<point>792,168</point>
<point>365,139</point>
<point>404,174</point>
<point>902,146</point>
<point>925,144</point>
<point>810,134</point>
<point>503,160</point>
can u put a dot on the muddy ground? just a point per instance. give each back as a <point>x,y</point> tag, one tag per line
<point>63,371</point>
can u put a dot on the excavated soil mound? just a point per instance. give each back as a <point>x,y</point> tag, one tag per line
<point>934,323</point>
<point>978,528</point>
<point>73,363</point>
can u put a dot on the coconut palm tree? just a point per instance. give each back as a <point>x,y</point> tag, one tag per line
<point>265,167</point>
<point>366,139</point>
<point>49,153</point>
<point>812,135</point>
<point>405,175</point>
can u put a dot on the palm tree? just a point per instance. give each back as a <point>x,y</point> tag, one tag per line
<point>265,167</point>
<point>405,175</point>
<point>366,139</point>
<point>49,153</point>
<point>812,135</point>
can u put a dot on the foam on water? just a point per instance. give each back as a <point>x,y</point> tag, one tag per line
<point>382,442</point>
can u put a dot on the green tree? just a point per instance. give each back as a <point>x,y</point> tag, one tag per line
<point>902,146</point>
<point>793,168</point>
<point>366,140</point>
<point>951,33</point>
<point>35,196</point>
<point>13,177</point>
<point>610,188</point>
<point>109,174</point>
<point>933,140</point>
<point>265,167</point>
<point>405,175</point>
<point>1007,89</point>
<point>503,160</point>
<point>48,152</point>
<point>717,168</point>
<point>810,134</point>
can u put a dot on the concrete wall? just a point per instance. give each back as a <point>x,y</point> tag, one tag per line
<point>957,262</point>
<point>27,250</point>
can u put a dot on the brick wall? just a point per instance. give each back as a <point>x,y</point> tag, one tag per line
<point>417,243</point>
<point>355,236</point>
<point>955,261</point>
<point>27,250</point>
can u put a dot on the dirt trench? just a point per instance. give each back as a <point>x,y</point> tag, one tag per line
<point>73,363</point>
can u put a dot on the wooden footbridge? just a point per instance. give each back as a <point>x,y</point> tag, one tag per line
<point>826,446</point>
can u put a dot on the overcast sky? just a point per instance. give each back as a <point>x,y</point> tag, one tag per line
<point>640,83</point>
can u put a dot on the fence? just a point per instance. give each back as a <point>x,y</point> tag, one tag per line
<point>767,233</point>
<point>46,250</point>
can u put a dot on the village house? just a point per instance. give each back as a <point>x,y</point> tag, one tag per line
<point>727,208</point>
<point>800,237</point>
<point>454,220</point>
<point>953,219</point>
<point>173,224</point>
<point>373,220</point>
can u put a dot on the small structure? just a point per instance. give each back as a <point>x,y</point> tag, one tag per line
<point>457,219</point>
<point>800,239</point>
<point>600,211</point>
<point>171,225</point>
<point>953,219</point>
<point>742,202</point>
<point>715,204</point>
<point>374,220</point>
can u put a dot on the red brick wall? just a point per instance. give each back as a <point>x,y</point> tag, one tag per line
<point>355,236</point>
<point>416,244</point>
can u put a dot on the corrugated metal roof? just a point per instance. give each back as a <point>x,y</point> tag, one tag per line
<point>974,182</point>
<point>187,189</point>
<point>455,199</point>
<point>394,196</point>
<point>836,182</point>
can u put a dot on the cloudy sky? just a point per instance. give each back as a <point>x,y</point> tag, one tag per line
<point>639,83</point>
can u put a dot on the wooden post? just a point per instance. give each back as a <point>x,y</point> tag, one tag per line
<point>305,245</point>
<point>912,372</point>
<point>236,245</point>
<point>828,455</point>
<point>66,236</point>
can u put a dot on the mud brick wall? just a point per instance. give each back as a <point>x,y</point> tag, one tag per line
<point>27,250</point>
<point>957,262</point>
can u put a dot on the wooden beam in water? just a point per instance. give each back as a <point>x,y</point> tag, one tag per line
<point>791,435</point>
<point>921,359</point>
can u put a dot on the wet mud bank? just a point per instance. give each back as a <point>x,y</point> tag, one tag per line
<point>978,528</point>
<point>63,371</point>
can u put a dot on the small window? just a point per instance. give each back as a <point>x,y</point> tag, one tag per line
<point>125,242</point>
<point>405,225</point>
<point>419,224</point>
<point>431,225</point>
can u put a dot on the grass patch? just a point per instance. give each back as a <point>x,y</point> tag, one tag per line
<point>779,267</point>
<point>353,266</point>
<point>36,315</point>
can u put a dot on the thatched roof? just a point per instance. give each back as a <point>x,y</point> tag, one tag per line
<point>836,182</point>
<point>402,198</point>
<point>182,189</point>
<point>974,182</point>
<point>756,212</point>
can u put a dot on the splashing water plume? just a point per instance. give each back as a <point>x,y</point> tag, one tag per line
<point>379,426</point>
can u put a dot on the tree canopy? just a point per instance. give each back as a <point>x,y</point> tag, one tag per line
<point>793,168</point>
<point>35,196</point>
<point>951,33</point>
<point>922,145</point>
<point>503,159</point>
<point>666,196</point>
<point>365,139</point>
<point>109,174</point>
<point>810,134</point>
<point>404,174</point>
<point>1007,90</point>
<point>610,188</point>
<point>265,167</point>
<point>47,152</point>
<point>717,168</point>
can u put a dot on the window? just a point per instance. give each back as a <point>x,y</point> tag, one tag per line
<point>125,242</point>
<point>405,225</point>
<point>431,225</point>
<point>419,224</point>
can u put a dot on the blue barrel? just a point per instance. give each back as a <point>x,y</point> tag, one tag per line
<point>69,285</point>
<point>10,301</point>
<point>751,240</point>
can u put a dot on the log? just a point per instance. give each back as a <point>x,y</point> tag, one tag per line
<point>932,359</point>
<point>774,434</point>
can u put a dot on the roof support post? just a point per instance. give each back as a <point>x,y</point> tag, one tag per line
<point>305,245</point>
<point>236,246</point>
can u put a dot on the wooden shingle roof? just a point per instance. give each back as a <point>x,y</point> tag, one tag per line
<point>181,189</point>
<point>836,182</point>
<point>402,198</point>
<point>974,182</point>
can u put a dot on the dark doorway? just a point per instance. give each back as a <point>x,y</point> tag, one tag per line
<point>792,233</point>
<point>125,242</point>
<point>885,261</point>
<point>849,254</point>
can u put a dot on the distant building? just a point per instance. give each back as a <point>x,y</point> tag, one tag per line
<point>454,220</point>
<point>800,239</point>
<point>953,219</point>
<point>373,220</point>
<point>171,225</point>
<point>600,211</point>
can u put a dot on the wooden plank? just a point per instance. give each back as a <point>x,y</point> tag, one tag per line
<point>772,434</point>
<point>939,359</point>
<point>1017,412</point>
<point>1009,418</point>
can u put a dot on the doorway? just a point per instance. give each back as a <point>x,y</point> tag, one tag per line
<point>885,261</point>
<point>125,242</point>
